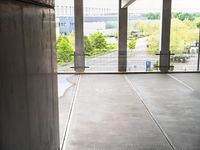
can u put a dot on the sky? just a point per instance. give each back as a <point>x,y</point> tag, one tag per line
<point>142,5</point>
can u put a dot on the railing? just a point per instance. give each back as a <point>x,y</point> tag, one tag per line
<point>137,61</point>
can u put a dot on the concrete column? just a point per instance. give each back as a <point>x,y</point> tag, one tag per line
<point>198,60</point>
<point>122,45</point>
<point>165,36</point>
<point>79,58</point>
<point>28,79</point>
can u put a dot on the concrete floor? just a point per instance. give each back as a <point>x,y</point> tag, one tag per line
<point>136,112</point>
<point>66,91</point>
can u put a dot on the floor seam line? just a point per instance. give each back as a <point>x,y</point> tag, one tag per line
<point>181,82</point>
<point>150,113</point>
<point>70,114</point>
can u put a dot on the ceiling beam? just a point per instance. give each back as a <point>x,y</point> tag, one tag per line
<point>126,3</point>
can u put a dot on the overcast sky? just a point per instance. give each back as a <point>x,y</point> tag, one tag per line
<point>142,5</point>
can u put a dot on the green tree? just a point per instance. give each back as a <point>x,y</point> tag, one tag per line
<point>64,49</point>
<point>153,44</point>
<point>152,16</point>
<point>183,33</point>
<point>98,41</point>
<point>148,28</point>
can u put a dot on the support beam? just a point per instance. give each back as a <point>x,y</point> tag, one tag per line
<point>126,3</point>
<point>79,58</point>
<point>28,80</point>
<point>123,21</point>
<point>165,36</point>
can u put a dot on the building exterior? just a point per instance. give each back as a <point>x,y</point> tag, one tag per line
<point>65,17</point>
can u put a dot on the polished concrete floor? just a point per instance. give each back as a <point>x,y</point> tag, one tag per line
<point>135,112</point>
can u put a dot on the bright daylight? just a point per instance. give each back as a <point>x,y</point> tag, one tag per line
<point>100,74</point>
<point>143,40</point>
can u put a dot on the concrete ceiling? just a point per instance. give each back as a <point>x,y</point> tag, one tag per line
<point>126,3</point>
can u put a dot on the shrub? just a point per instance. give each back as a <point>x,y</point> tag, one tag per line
<point>132,43</point>
<point>98,41</point>
<point>88,49</point>
<point>64,49</point>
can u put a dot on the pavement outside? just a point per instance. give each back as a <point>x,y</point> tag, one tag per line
<point>135,112</point>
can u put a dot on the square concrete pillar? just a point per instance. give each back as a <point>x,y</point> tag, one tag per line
<point>165,36</point>
<point>123,21</point>
<point>79,58</point>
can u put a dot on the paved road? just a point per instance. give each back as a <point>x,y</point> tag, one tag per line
<point>137,58</point>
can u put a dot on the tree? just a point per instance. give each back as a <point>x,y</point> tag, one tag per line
<point>148,28</point>
<point>153,44</point>
<point>152,16</point>
<point>183,33</point>
<point>64,49</point>
<point>98,41</point>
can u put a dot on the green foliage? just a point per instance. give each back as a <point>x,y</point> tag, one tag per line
<point>153,44</point>
<point>198,24</point>
<point>88,46</point>
<point>96,44</point>
<point>98,41</point>
<point>152,16</point>
<point>182,34</point>
<point>185,16</point>
<point>111,46</point>
<point>116,35</point>
<point>179,15</point>
<point>132,43</point>
<point>148,28</point>
<point>64,49</point>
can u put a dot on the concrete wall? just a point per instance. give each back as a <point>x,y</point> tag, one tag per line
<point>28,85</point>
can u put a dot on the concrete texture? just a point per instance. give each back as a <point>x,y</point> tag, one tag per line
<point>65,101</point>
<point>174,100</point>
<point>28,85</point>
<point>122,44</point>
<point>140,112</point>
<point>79,57</point>
<point>108,115</point>
<point>165,36</point>
<point>44,2</point>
